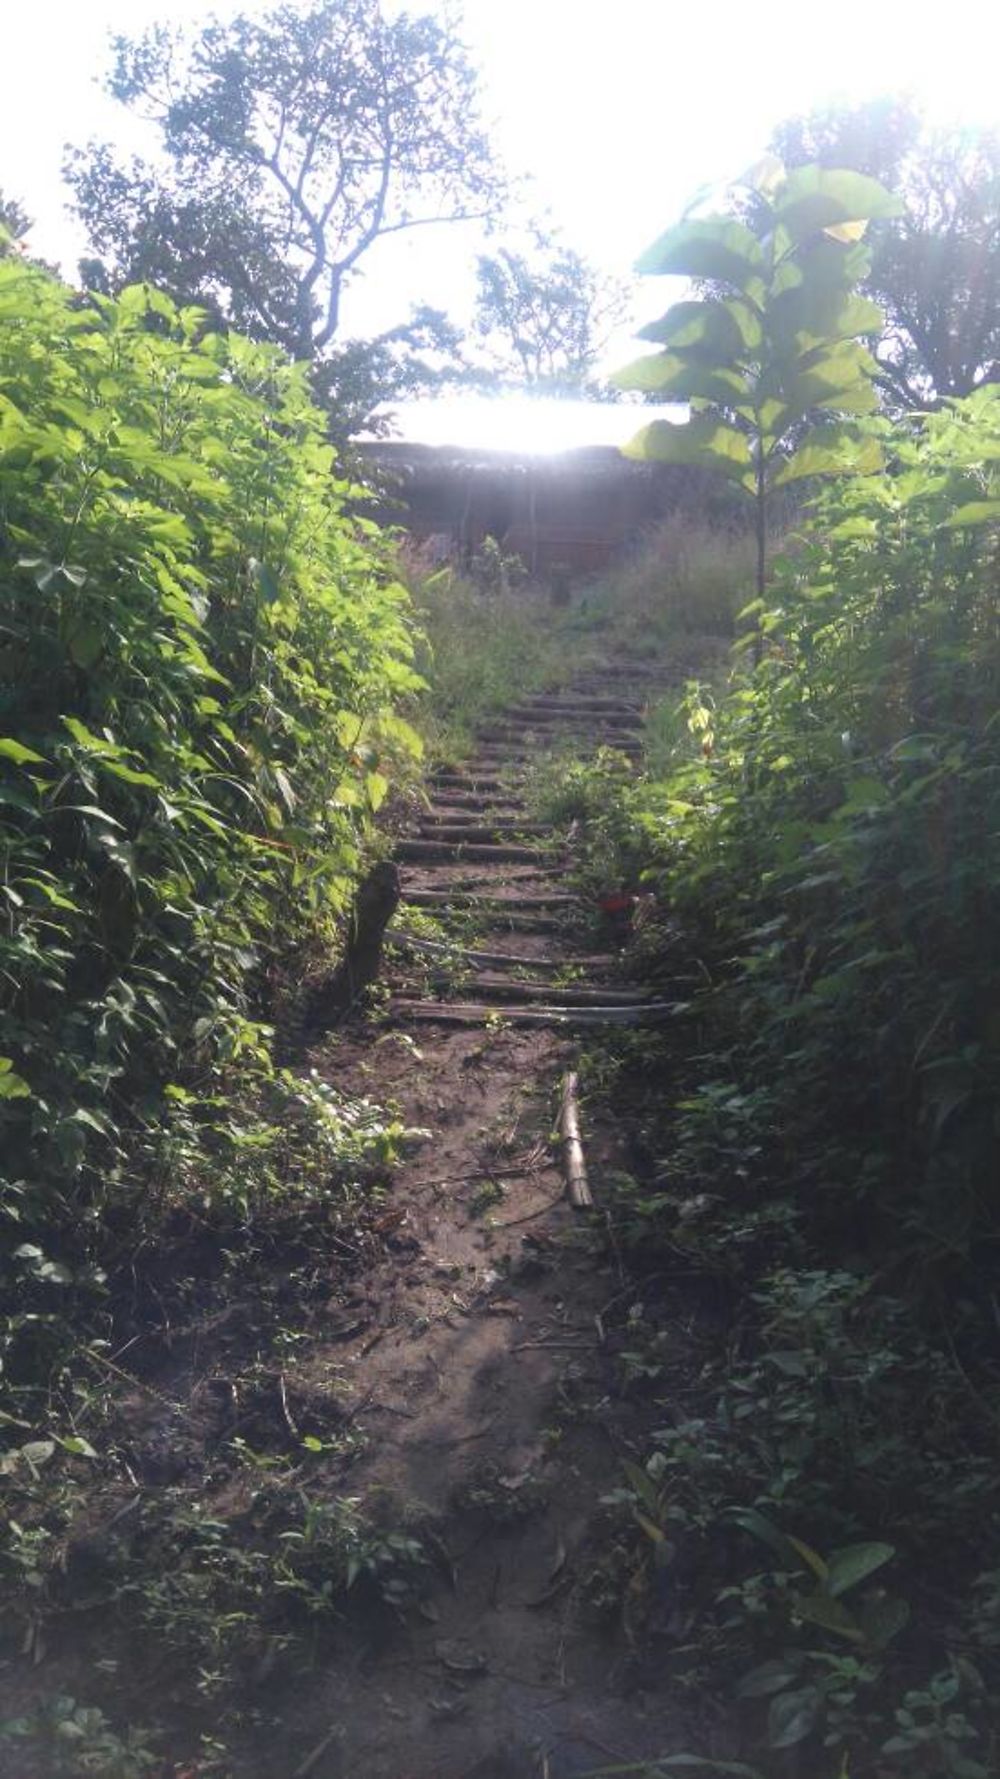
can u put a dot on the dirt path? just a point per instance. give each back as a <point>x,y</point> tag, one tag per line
<point>475,1361</point>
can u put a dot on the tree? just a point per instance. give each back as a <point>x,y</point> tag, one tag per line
<point>15,227</point>
<point>291,143</point>
<point>14,219</point>
<point>771,359</point>
<point>357,378</point>
<point>545,315</point>
<point>935,269</point>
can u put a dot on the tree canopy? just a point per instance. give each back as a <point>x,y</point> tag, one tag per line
<point>289,144</point>
<point>544,315</point>
<point>936,269</point>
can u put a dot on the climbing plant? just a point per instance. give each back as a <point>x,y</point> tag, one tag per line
<point>771,357</point>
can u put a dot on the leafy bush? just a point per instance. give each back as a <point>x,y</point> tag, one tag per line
<point>199,656</point>
<point>825,1150</point>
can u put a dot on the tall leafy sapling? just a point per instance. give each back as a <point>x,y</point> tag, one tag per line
<point>771,358</point>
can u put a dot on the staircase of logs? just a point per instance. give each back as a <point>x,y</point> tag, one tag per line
<point>477,854</point>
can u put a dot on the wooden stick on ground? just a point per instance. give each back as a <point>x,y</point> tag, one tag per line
<point>574,1164</point>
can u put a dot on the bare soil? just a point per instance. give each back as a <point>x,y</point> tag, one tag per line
<point>486,1374</point>
<point>471,1344</point>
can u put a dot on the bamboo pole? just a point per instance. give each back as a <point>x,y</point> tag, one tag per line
<point>574,1162</point>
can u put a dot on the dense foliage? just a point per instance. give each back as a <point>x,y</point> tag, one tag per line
<point>290,143</point>
<point>770,361</point>
<point>820,1131</point>
<point>544,315</point>
<point>199,655</point>
<point>935,270</point>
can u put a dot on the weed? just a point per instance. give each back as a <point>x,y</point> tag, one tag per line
<point>502,1500</point>
<point>486,1198</point>
<point>77,1739</point>
<point>484,650</point>
<point>814,1135</point>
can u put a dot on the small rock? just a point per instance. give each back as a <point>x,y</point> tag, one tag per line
<point>460,1658</point>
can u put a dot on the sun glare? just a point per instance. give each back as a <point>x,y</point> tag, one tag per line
<point>529,424</point>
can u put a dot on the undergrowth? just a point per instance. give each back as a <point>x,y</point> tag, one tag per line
<point>815,1137</point>
<point>490,637</point>
<point>688,578</point>
<point>202,657</point>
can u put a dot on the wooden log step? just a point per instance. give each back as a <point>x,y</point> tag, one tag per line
<point>592,702</point>
<point>621,666</point>
<point>476,829</point>
<point>477,802</point>
<point>479,880</point>
<point>487,986</point>
<point>435,947</point>
<point>580,730</point>
<point>473,783</point>
<point>466,898</point>
<point>533,924</point>
<point>454,1013</point>
<point>474,815</point>
<point>554,717</point>
<point>410,852</point>
<point>495,757</point>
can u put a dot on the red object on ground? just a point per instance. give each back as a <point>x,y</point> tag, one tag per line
<point>617,902</point>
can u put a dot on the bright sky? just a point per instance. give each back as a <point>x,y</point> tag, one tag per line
<point>619,112</point>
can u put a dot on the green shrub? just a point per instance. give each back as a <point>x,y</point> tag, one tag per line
<point>199,656</point>
<point>820,1124</point>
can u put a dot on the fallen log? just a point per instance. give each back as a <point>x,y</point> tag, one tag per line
<point>573,1159</point>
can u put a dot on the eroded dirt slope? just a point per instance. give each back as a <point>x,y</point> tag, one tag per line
<point>476,1356</point>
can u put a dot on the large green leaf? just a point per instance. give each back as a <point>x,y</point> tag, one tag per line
<point>821,374</point>
<point>751,1520</point>
<point>12,1085</point>
<point>792,1716</point>
<point>820,1609</point>
<point>770,1677</point>
<point>855,1562</point>
<point>723,330</point>
<point>808,316</point>
<point>835,379</point>
<point>822,265</point>
<point>883,1620</point>
<point>704,441</point>
<point>831,451</point>
<point>707,247</point>
<point>674,374</point>
<point>975,512</point>
<point>12,749</point>
<point>814,198</point>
